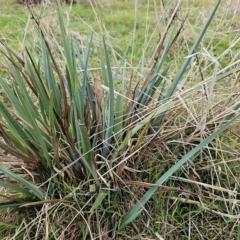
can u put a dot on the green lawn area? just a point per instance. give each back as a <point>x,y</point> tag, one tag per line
<point>199,199</point>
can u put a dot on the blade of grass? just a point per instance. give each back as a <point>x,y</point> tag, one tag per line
<point>35,190</point>
<point>110,119</point>
<point>118,125</point>
<point>101,195</point>
<point>16,189</point>
<point>12,205</point>
<point>138,207</point>
<point>187,61</point>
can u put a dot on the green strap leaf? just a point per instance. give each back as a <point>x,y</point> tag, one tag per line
<point>102,194</point>
<point>138,207</point>
<point>16,189</point>
<point>35,190</point>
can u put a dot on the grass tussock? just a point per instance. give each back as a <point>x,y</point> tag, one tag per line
<point>111,134</point>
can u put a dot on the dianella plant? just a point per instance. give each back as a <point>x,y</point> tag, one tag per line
<point>71,128</point>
